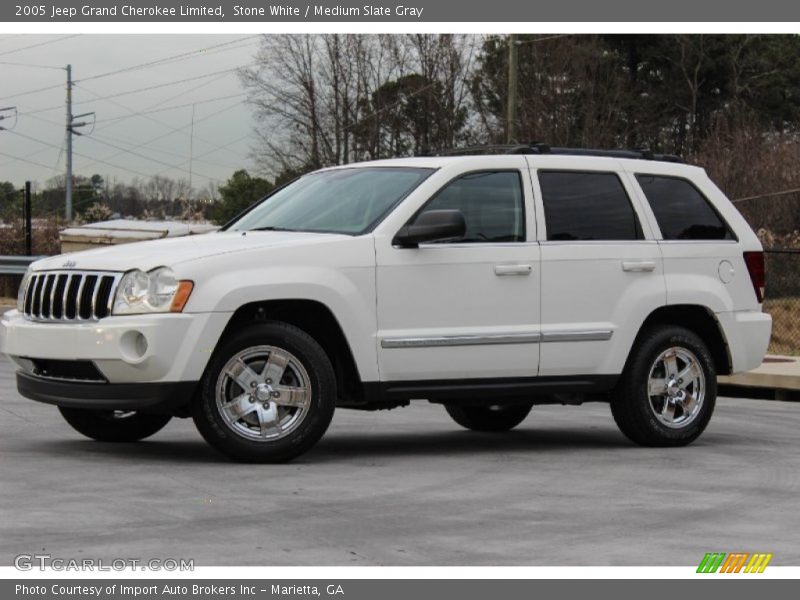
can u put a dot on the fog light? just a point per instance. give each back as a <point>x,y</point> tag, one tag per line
<point>133,345</point>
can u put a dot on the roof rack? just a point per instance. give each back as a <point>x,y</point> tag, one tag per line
<point>540,148</point>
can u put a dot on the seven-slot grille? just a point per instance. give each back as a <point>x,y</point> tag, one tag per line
<point>70,295</point>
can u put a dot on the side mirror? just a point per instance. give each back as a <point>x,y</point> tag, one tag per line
<point>431,226</point>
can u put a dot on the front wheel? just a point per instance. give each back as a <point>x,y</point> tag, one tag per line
<point>114,425</point>
<point>496,417</point>
<point>667,393</point>
<point>268,394</point>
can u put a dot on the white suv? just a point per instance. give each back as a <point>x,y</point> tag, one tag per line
<point>486,283</point>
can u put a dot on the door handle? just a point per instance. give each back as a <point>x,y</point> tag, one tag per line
<point>515,269</point>
<point>638,266</point>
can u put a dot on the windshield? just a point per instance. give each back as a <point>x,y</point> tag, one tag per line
<point>349,201</point>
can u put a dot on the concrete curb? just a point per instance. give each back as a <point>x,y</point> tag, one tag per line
<point>777,378</point>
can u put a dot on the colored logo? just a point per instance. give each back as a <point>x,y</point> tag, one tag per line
<point>737,562</point>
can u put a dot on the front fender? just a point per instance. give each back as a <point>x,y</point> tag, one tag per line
<point>349,293</point>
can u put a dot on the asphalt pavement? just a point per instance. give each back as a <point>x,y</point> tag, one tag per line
<point>407,487</point>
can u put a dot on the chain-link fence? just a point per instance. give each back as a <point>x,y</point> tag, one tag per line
<point>782,299</point>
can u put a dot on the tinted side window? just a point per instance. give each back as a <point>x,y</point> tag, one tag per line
<point>682,212</point>
<point>492,204</point>
<point>587,206</point>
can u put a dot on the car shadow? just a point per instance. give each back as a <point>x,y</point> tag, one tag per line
<point>338,446</point>
<point>184,451</point>
<point>454,443</point>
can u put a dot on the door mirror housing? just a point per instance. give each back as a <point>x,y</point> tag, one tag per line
<point>431,226</point>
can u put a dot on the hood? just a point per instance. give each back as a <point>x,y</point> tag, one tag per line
<point>174,251</point>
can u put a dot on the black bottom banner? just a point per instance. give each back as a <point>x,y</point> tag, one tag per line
<point>393,589</point>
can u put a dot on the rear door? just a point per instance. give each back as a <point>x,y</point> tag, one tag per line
<point>602,271</point>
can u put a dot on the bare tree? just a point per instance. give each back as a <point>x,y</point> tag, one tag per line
<point>333,99</point>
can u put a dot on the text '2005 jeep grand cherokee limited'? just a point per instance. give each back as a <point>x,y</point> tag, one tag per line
<point>485,283</point>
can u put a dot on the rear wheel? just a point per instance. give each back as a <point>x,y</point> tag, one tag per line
<point>495,417</point>
<point>114,425</point>
<point>268,394</point>
<point>669,388</point>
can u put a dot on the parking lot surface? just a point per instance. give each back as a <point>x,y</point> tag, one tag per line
<point>407,487</point>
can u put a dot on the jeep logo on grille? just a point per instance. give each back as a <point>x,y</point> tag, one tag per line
<point>70,264</point>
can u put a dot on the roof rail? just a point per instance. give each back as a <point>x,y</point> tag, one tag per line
<point>540,148</point>
<point>479,149</point>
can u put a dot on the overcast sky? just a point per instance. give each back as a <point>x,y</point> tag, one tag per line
<point>125,144</point>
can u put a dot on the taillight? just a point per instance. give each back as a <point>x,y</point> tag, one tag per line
<point>755,266</point>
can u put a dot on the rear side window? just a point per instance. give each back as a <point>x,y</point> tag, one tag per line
<point>587,206</point>
<point>682,212</point>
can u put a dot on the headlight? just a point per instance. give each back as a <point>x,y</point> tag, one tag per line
<point>21,293</point>
<point>155,292</point>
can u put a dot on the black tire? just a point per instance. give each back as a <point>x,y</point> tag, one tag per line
<point>633,407</point>
<point>114,426</point>
<point>493,418</point>
<point>234,438</point>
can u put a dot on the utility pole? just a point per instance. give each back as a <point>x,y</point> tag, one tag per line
<point>191,151</point>
<point>27,210</point>
<point>72,126</point>
<point>511,110</point>
<point>68,182</point>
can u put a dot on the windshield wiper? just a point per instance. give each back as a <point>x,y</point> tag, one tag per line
<point>272,228</point>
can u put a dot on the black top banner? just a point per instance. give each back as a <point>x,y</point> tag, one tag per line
<point>385,11</point>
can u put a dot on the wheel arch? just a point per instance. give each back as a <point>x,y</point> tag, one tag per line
<point>318,321</point>
<point>699,319</point>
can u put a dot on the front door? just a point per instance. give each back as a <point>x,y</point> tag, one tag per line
<point>466,308</point>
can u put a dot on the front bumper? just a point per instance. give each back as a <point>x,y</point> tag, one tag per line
<point>158,348</point>
<point>149,397</point>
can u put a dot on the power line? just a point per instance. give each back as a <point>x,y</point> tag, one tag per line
<point>35,153</point>
<point>390,106</point>
<point>168,108</point>
<point>21,159</point>
<point>135,113</point>
<point>167,59</point>
<point>137,90</point>
<point>98,160</point>
<point>8,38</point>
<point>164,151</point>
<point>145,157</point>
<point>44,120</point>
<point>135,67</point>
<point>29,65</point>
<point>61,39</point>
<point>36,91</point>
<point>58,158</point>
<point>170,83</point>
<point>124,151</point>
<point>161,102</point>
<point>34,114</point>
<point>544,39</point>
<point>231,143</point>
<point>33,139</point>
<point>769,195</point>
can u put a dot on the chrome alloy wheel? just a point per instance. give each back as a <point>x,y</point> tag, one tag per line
<point>263,393</point>
<point>676,387</point>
